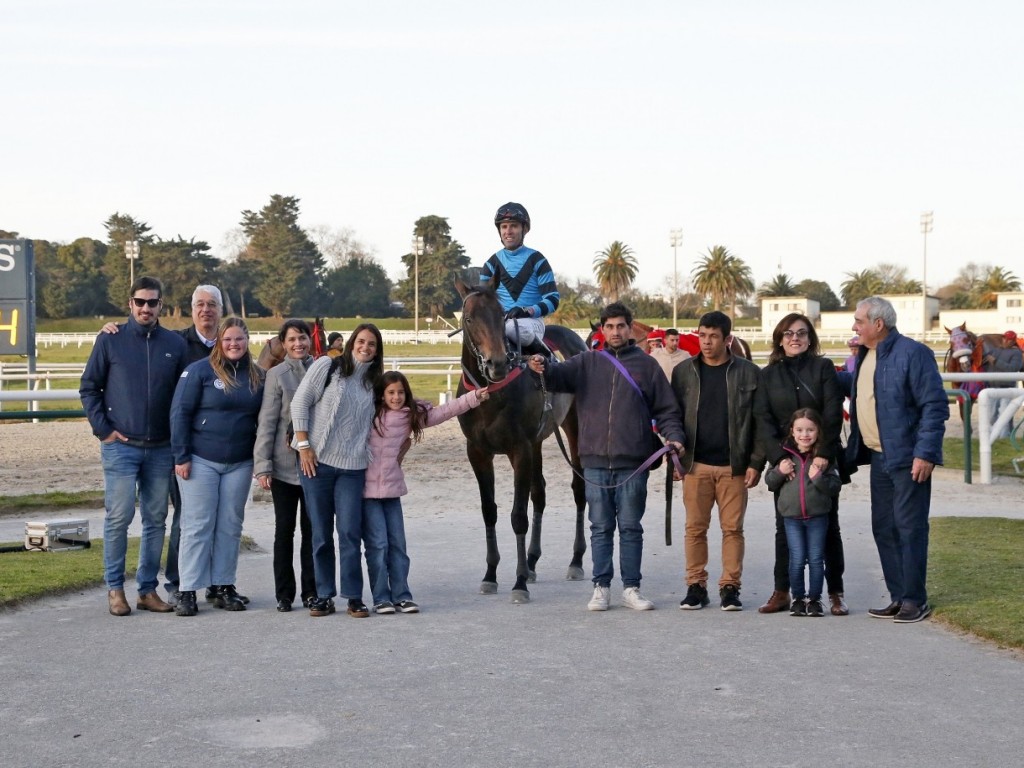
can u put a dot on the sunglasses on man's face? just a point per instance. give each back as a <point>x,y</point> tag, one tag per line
<point>140,303</point>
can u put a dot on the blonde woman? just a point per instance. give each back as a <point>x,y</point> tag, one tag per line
<point>213,429</point>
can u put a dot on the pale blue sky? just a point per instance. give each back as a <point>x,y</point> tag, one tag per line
<point>813,134</point>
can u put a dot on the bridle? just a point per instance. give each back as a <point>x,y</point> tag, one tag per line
<point>513,357</point>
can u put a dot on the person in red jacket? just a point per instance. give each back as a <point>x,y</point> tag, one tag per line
<point>399,419</point>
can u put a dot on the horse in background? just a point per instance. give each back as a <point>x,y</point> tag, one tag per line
<point>514,421</point>
<point>688,341</point>
<point>273,351</point>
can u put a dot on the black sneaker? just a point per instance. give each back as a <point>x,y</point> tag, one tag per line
<point>186,604</point>
<point>889,612</point>
<point>730,598</point>
<point>798,608</point>
<point>407,606</point>
<point>815,608</point>
<point>228,599</point>
<point>911,613</point>
<point>321,606</point>
<point>211,593</point>
<point>696,598</point>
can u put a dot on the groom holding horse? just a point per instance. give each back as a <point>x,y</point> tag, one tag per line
<point>619,392</point>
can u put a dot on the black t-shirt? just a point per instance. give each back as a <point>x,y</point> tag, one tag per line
<point>712,444</point>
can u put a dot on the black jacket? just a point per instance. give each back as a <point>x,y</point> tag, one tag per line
<point>804,381</point>
<point>742,381</point>
<point>129,382</point>
<point>197,349</point>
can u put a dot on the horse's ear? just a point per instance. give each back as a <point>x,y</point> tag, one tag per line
<point>594,326</point>
<point>494,282</point>
<point>461,287</point>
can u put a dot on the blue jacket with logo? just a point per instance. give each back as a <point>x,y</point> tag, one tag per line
<point>212,421</point>
<point>910,404</point>
<point>129,382</point>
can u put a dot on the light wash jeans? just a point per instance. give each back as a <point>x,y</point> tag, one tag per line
<point>212,510</point>
<point>610,507</point>
<point>387,561</point>
<point>125,469</point>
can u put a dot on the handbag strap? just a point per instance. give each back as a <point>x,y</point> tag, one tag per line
<point>622,369</point>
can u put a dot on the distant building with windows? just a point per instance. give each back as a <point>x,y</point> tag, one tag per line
<point>1007,316</point>
<point>774,308</point>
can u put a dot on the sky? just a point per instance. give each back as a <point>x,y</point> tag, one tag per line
<point>806,136</point>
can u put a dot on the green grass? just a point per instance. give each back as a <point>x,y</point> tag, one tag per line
<point>54,500</point>
<point>1003,454</point>
<point>30,575</point>
<point>976,576</point>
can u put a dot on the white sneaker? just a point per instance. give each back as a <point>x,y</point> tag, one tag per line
<point>599,602</point>
<point>631,598</point>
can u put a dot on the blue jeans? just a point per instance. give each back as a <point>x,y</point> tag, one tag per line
<point>623,506</point>
<point>212,510</point>
<point>125,469</point>
<point>334,498</point>
<point>386,558</point>
<point>899,522</point>
<point>806,540</point>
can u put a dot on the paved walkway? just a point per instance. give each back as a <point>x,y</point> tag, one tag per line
<point>476,680</point>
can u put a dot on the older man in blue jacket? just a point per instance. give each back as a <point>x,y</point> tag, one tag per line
<point>126,391</point>
<point>898,410</point>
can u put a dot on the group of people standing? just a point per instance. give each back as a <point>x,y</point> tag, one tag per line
<point>190,415</point>
<point>728,420</point>
<point>327,438</point>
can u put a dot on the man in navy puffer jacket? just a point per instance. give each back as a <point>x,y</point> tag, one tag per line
<point>126,391</point>
<point>898,410</point>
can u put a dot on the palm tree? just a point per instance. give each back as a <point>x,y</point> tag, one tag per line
<point>615,268</point>
<point>860,285</point>
<point>779,285</point>
<point>997,280</point>
<point>721,275</point>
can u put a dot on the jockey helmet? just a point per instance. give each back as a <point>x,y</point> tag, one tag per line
<point>513,212</point>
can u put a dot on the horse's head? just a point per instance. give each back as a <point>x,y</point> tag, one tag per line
<point>483,330</point>
<point>961,347</point>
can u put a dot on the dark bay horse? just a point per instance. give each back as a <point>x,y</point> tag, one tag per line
<point>514,421</point>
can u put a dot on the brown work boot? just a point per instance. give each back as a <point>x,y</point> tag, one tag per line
<point>151,601</point>
<point>839,606</point>
<point>779,601</point>
<point>117,603</point>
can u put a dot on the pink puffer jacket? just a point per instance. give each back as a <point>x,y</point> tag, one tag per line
<point>384,477</point>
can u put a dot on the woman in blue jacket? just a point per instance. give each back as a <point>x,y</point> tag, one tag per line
<point>213,429</point>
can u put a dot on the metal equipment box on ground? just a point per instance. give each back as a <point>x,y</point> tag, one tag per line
<point>57,535</point>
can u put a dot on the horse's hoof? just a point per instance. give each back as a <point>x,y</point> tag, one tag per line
<point>531,577</point>
<point>520,596</point>
<point>575,573</point>
<point>488,588</point>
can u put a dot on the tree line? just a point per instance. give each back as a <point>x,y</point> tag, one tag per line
<point>278,268</point>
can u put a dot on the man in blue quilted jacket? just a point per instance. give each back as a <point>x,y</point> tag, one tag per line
<point>898,410</point>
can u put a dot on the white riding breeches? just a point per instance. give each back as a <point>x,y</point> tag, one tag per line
<point>530,329</point>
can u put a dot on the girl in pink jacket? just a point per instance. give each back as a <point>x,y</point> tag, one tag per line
<point>400,420</point>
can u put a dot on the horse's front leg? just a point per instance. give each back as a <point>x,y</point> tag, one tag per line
<point>522,469</point>
<point>483,467</point>
<point>538,496</point>
<point>579,494</point>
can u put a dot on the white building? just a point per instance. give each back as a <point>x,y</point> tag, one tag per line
<point>1007,316</point>
<point>774,308</point>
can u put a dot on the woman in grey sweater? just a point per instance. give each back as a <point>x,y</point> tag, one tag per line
<point>276,466</point>
<point>331,414</point>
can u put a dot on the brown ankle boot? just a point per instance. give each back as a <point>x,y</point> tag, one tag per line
<point>779,601</point>
<point>117,603</point>
<point>151,601</point>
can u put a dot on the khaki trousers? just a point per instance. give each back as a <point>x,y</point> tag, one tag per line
<point>703,487</point>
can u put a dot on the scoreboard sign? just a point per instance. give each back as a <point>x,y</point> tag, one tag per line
<point>17,298</point>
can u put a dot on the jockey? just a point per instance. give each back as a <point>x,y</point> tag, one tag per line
<point>526,284</point>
